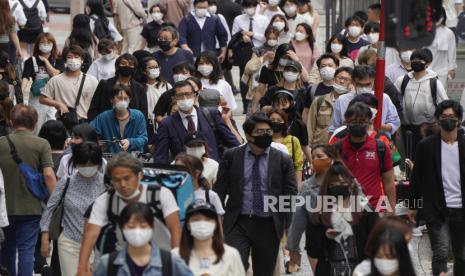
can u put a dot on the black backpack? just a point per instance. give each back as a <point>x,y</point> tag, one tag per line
<point>432,84</point>
<point>461,26</point>
<point>380,151</point>
<point>101,29</point>
<point>33,23</point>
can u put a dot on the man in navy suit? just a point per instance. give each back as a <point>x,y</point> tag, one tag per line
<point>199,31</point>
<point>174,128</point>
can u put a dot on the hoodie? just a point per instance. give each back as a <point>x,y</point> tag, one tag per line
<point>417,102</point>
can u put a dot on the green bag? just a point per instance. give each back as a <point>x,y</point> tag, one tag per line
<point>37,85</point>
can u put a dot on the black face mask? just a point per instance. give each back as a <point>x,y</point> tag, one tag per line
<point>279,127</point>
<point>126,71</point>
<point>339,190</point>
<point>448,124</point>
<point>262,141</point>
<point>418,66</point>
<point>357,130</point>
<point>165,45</point>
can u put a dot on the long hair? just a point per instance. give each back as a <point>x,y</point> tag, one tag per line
<point>194,164</point>
<point>283,116</point>
<point>310,36</point>
<point>211,58</point>
<point>96,8</point>
<point>81,33</point>
<point>54,53</point>
<point>7,20</point>
<point>6,104</point>
<point>187,241</point>
<point>280,52</point>
<point>282,17</point>
<point>341,39</point>
<point>8,66</point>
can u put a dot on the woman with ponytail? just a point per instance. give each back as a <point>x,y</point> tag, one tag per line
<point>6,105</point>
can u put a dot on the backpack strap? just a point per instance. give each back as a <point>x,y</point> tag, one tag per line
<point>34,64</point>
<point>405,81</point>
<point>166,263</point>
<point>433,84</point>
<point>112,268</point>
<point>13,9</point>
<point>36,3</point>
<point>153,200</point>
<point>381,151</point>
<point>313,91</point>
<point>23,4</point>
<point>112,216</point>
<point>81,86</point>
<point>207,196</point>
<point>319,103</point>
<point>13,152</point>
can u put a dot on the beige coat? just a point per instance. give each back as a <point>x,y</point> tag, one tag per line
<point>126,16</point>
<point>319,119</point>
<point>175,10</point>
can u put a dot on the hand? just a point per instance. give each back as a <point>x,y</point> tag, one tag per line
<point>295,257</point>
<point>412,216</point>
<point>246,39</point>
<point>43,59</point>
<point>222,56</point>
<point>452,74</point>
<point>45,248</point>
<point>331,233</point>
<point>63,108</point>
<point>21,54</point>
<point>292,55</point>
<point>409,164</point>
<point>249,34</point>
<point>84,270</point>
<point>268,56</point>
<point>124,144</point>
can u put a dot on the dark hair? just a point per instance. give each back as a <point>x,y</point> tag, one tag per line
<point>349,70</point>
<point>171,29</point>
<point>286,25</point>
<point>341,39</point>
<point>9,68</point>
<point>162,9</point>
<point>97,8</point>
<point>456,106</point>
<point>375,6</point>
<point>24,116</point>
<point>193,164</point>
<point>129,58</point>
<point>197,82</point>
<point>143,66</point>
<point>126,160</point>
<point>271,30</point>
<point>389,222</point>
<point>441,13</point>
<point>330,150</point>
<point>117,88</point>
<point>310,36</point>
<point>105,44</point>
<point>54,53</point>
<point>251,122</point>
<point>200,1</point>
<point>184,66</point>
<point>180,84</point>
<point>73,49</point>
<point>327,56</point>
<point>140,210</point>
<point>359,16</point>
<point>283,115</point>
<point>249,3</point>
<point>422,54</point>
<point>211,58</point>
<point>81,33</point>
<point>371,27</point>
<point>6,104</point>
<point>87,152</point>
<point>358,109</point>
<point>86,132</point>
<point>281,51</point>
<point>366,98</point>
<point>364,71</point>
<point>394,239</point>
<point>54,132</point>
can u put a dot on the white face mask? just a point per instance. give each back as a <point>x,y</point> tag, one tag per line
<point>363,90</point>
<point>201,13</point>
<point>202,230</point>
<point>135,194</point>
<point>205,70</point>
<point>279,25</point>
<point>73,64</point>
<point>185,105</point>
<point>354,31</point>
<point>374,111</point>
<point>327,73</point>
<point>198,152</point>
<point>138,237</point>
<point>121,105</point>
<point>88,171</point>
<point>290,10</point>
<point>107,57</point>
<point>300,36</point>
<point>45,48</point>
<point>179,77</point>
<point>283,61</point>
<point>340,89</point>
<point>212,9</point>
<point>273,2</point>
<point>405,56</point>
<point>272,42</point>
<point>290,76</point>
<point>154,73</point>
<point>373,38</point>
<point>250,11</point>
<point>336,48</point>
<point>386,266</point>
<point>157,16</point>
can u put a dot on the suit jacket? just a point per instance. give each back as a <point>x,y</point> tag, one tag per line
<point>171,134</point>
<point>426,181</point>
<point>101,101</point>
<point>230,181</point>
<point>191,34</point>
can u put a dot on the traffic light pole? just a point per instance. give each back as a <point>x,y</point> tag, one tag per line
<point>380,65</point>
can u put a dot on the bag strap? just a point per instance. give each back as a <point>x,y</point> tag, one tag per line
<point>81,86</point>
<point>35,65</point>
<point>13,152</point>
<point>23,4</point>
<point>405,81</point>
<point>433,84</point>
<point>207,196</point>
<point>381,150</point>
<point>112,268</point>
<point>36,3</point>
<point>166,266</point>
<point>13,9</point>
<point>209,118</point>
<point>64,191</point>
<point>319,103</point>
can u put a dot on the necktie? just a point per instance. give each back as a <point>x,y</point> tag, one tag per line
<point>190,124</point>
<point>251,25</point>
<point>257,204</point>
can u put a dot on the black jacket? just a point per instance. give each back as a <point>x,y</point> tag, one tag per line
<point>229,10</point>
<point>426,182</point>
<point>101,101</point>
<point>391,90</point>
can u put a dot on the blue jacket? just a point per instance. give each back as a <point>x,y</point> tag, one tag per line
<point>191,34</point>
<point>107,127</point>
<point>152,269</point>
<point>171,134</point>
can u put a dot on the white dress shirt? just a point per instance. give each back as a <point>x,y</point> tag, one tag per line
<point>225,90</point>
<point>18,13</point>
<point>185,121</point>
<point>40,8</point>
<point>259,24</point>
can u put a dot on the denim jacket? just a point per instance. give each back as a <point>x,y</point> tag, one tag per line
<point>179,268</point>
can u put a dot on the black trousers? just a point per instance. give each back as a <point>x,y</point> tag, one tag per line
<point>259,236</point>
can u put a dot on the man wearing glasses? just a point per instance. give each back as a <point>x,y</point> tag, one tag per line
<point>174,128</point>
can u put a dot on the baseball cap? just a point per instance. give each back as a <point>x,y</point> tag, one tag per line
<point>195,137</point>
<point>201,206</point>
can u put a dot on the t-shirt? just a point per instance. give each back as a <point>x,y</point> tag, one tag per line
<point>450,171</point>
<point>167,63</point>
<point>134,269</point>
<point>65,90</point>
<point>269,77</point>
<point>102,69</point>
<point>154,93</point>
<point>164,103</point>
<point>150,33</point>
<point>35,152</point>
<point>210,170</point>
<point>321,89</point>
<point>214,199</point>
<point>353,48</point>
<point>29,72</point>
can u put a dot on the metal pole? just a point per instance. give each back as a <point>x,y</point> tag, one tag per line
<point>327,17</point>
<point>380,63</point>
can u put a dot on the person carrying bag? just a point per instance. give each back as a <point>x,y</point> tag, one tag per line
<point>70,119</point>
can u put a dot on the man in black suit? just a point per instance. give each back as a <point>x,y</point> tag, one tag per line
<point>438,179</point>
<point>247,174</point>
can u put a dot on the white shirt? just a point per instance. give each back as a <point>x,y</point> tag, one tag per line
<point>185,121</point>
<point>225,90</point>
<point>65,171</point>
<point>450,170</point>
<point>214,199</point>
<point>230,264</point>
<point>3,215</point>
<point>280,147</point>
<point>259,24</point>
<point>40,8</point>
<point>210,170</point>
<point>444,51</point>
<point>153,95</point>
<point>99,216</point>
<point>200,20</point>
<point>102,69</point>
<point>269,14</point>
<point>18,13</point>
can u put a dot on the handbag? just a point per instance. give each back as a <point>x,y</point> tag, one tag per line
<point>34,180</point>
<point>70,119</point>
<point>54,230</point>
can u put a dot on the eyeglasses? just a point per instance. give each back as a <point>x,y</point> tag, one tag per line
<point>181,96</point>
<point>268,131</point>
<point>343,79</point>
<point>445,117</point>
